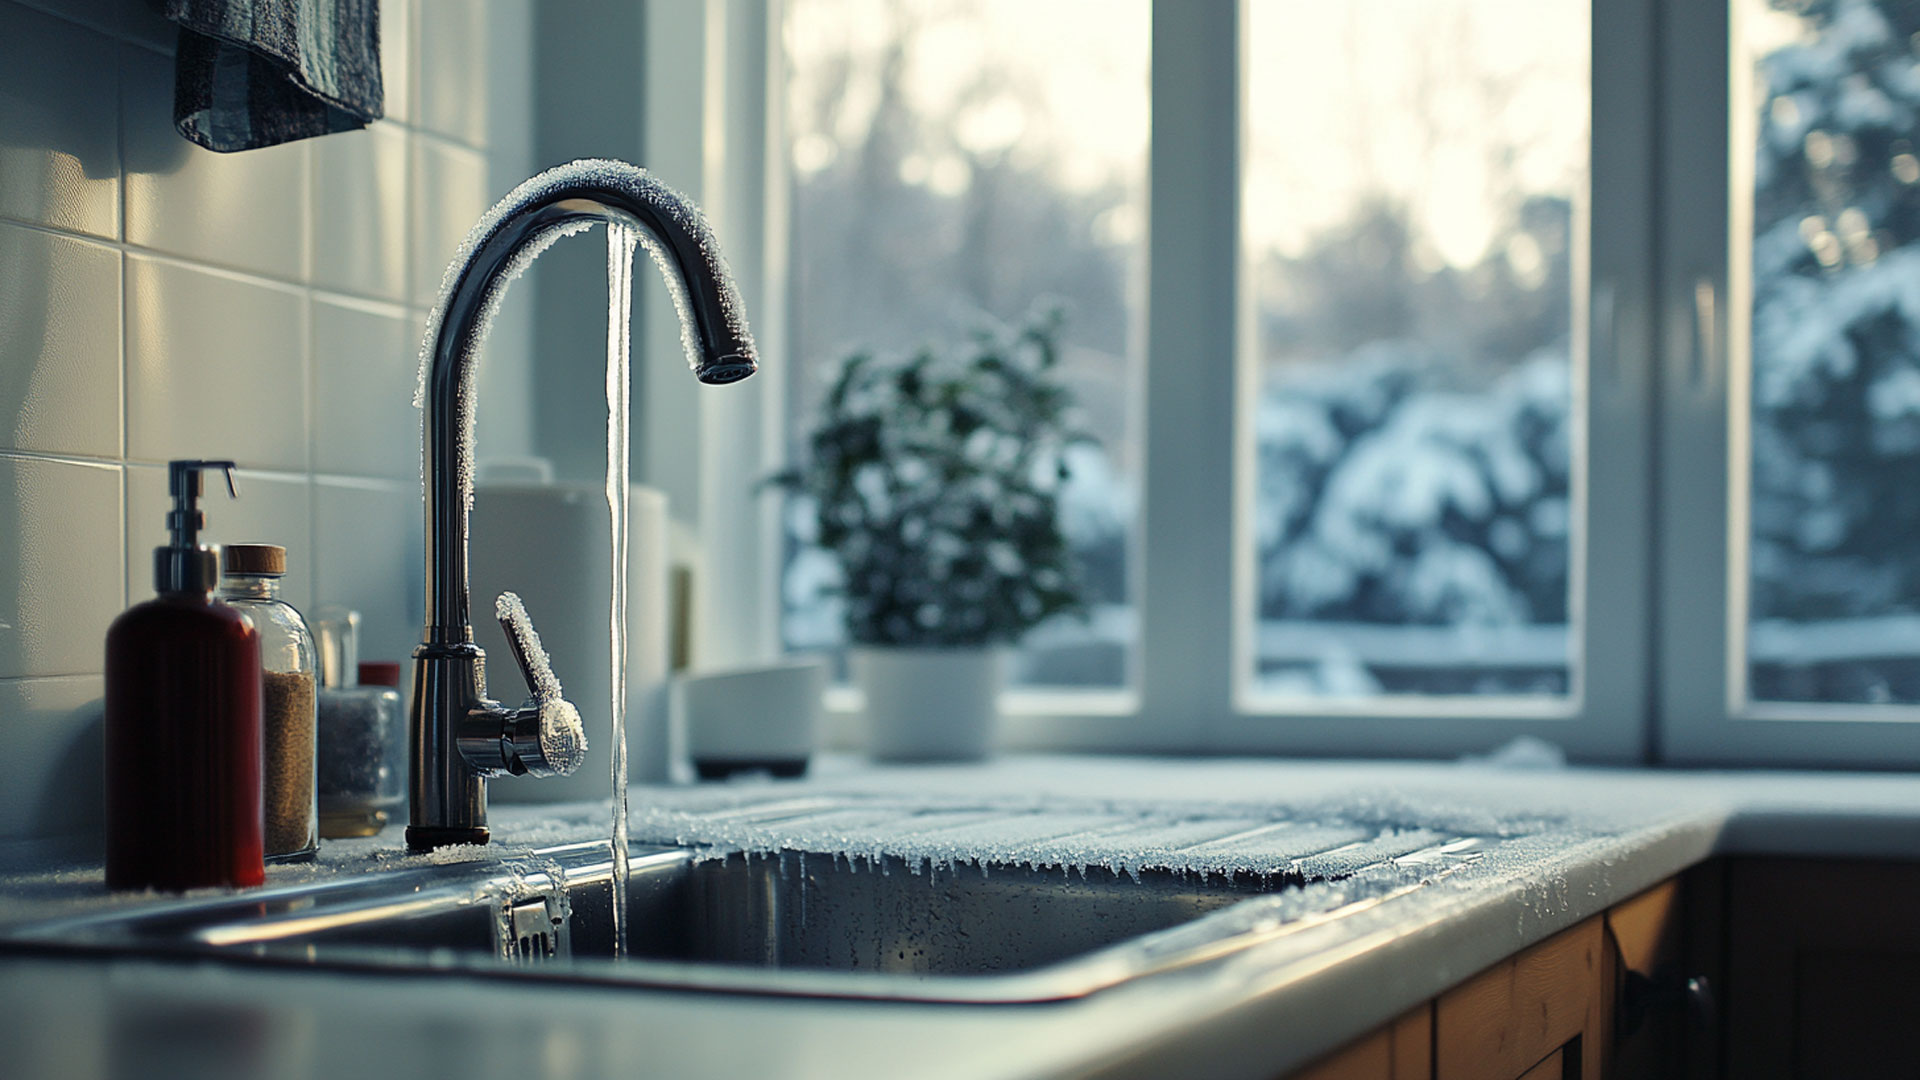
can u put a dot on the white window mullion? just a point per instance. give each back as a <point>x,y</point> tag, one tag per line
<point>1187,595</point>
<point>1694,479</point>
<point>743,165</point>
<point>1613,600</point>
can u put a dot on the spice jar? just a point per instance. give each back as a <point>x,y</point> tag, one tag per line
<point>251,583</point>
<point>362,736</point>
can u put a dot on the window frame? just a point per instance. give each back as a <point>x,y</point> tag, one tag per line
<point>1705,716</point>
<point>1659,370</point>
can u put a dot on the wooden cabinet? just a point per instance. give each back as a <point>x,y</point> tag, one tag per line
<point>1823,968</point>
<point>1656,944</point>
<point>1403,1050</point>
<point>1604,998</point>
<point>1537,1014</point>
<point>1746,968</point>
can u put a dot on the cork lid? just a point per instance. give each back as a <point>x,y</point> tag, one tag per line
<point>267,560</point>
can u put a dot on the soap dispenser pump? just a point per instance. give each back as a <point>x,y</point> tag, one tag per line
<point>183,766</point>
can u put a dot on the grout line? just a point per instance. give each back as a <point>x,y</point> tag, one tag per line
<point>447,142</point>
<point>385,484</point>
<point>65,676</point>
<point>310,379</point>
<point>389,309</point>
<point>83,460</point>
<point>288,476</point>
<point>41,7</point>
<point>126,539</point>
<point>252,277</point>
<point>126,412</point>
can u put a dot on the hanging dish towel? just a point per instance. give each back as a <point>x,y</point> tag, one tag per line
<point>253,73</point>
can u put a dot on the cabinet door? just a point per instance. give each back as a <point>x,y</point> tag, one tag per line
<point>1536,1015</point>
<point>1645,941</point>
<point>1823,968</point>
<point>1403,1050</point>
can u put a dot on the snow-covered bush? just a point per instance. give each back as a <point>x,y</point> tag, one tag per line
<point>935,481</point>
<point>1836,317</point>
<point>1389,495</point>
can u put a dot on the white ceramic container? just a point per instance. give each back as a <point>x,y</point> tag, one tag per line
<point>930,704</point>
<point>761,717</point>
<point>548,541</point>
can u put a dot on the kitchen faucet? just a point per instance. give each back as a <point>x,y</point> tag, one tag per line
<point>458,736</point>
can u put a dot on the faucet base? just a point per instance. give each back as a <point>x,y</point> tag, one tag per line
<point>425,838</point>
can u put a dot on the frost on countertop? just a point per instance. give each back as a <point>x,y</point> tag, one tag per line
<point>1313,822</point>
<point>928,828</point>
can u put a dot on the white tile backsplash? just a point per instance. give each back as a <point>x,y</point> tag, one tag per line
<point>66,541</point>
<point>370,551</point>
<point>246,210</point>
<point>53,757</point>
<point>59,124</point>
<point>396,58</point>
<point>140,22</point>
<point>449,195</point>
<point>59,344</point>
<point>365,367</point>
<point>450,82</point>
<point>158,300</point>
<point>106,16</point>
<point>216,367</point>
<point>360,212</point>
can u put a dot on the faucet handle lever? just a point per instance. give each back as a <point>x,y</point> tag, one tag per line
<point>546,738</point>
<point>524,640</point>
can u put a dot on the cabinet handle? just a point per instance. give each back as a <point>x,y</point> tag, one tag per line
<point>1643,995</point>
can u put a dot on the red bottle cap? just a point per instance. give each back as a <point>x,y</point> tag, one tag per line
<point>379,673</point>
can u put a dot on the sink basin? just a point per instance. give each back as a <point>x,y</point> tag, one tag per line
<point>780,923</point>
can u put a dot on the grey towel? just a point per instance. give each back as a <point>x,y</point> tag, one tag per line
<point>254,73</point>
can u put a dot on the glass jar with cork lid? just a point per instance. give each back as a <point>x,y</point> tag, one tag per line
<point>251,582</point>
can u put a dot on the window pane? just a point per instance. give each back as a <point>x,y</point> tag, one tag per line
<point>957,165</point>
<point>1414,203</point>
<point>1834,575</point>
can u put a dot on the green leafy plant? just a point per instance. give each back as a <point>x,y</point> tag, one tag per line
<point>935,481</point>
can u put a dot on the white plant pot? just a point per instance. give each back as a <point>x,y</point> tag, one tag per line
<point>930,704</point>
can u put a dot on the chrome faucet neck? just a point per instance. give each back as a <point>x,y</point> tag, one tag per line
<point>448,791</point>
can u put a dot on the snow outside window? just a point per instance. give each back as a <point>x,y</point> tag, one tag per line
<point>1414,219</point>
<point>1833,603</point>
<point>956,165</point>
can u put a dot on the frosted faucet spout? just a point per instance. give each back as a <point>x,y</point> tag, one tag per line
<point>459,736</point>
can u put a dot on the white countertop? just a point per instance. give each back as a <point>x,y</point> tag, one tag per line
<point>1579,840</point>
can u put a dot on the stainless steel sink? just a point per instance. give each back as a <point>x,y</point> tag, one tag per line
<point>785,923</point>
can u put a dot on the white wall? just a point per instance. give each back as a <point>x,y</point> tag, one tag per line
<point>160,301</point>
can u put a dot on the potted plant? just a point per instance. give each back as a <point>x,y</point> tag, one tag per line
<point>934,481</point>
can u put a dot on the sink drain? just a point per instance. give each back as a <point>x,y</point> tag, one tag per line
<point>538,933</point>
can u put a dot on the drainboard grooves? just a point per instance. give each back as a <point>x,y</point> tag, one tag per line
<point>936,822</point>
<point>1247,851</point>
<point>1152,844</point>
<point>1350,859</point>
<point>1024,829</point>
<point>769,812</point>
<point>1276,845</point>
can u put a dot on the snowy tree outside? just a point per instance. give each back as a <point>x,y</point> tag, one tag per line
<point>1834,593</point>
<point>1411,218</point>
<point>1410,238</point>
<point>953,165</point>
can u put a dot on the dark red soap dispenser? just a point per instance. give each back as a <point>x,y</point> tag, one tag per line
<point>183,719</point>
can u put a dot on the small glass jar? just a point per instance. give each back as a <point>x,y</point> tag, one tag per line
<point>250,581</point>
<point>363,731</point>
